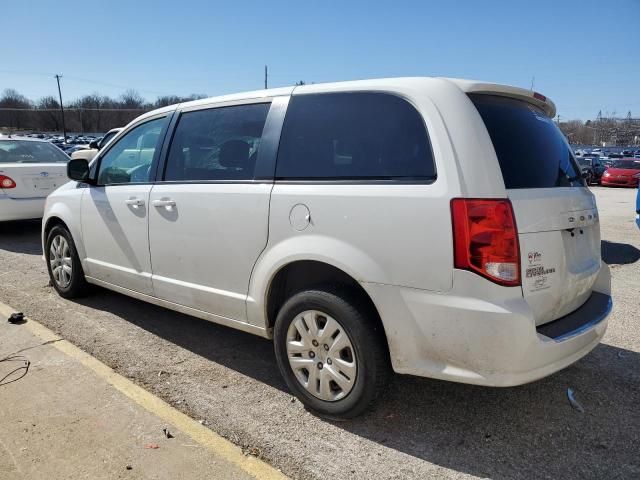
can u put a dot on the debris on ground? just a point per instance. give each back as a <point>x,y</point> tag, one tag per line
<point>152,446</point>
<point>129,467</point>
<point>16,317</point>
<point>253,451</point>
<point>574,403</point>
<point>621,354</point>
<point>203,422</point>
<point>167,433</point>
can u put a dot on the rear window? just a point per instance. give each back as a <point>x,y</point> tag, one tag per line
<point>356,135</point>
<point>24,151</point>
<point>531,149</point>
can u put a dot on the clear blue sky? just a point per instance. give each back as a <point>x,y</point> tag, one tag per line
<point>584,54</point>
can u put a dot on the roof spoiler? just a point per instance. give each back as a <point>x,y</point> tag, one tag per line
<point>535,98</point>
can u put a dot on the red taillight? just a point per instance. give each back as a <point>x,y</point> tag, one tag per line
<point>485,239</point>
<point>6,182</point>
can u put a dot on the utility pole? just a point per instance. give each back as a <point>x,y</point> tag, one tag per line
<point>64,129</point>
<point>265,77</point>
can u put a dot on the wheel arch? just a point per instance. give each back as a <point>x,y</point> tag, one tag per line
<point>60,214</point>
<point>299,275</point>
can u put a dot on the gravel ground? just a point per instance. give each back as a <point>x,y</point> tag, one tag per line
<point>422,429</point>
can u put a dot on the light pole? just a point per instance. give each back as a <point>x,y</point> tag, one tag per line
<point>64,128</point>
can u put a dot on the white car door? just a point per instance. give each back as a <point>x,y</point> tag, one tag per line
<point>115,210</point>
<point>208,218</point>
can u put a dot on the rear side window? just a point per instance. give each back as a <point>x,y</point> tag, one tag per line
<point>217,144</point>
<point>334,136</point>
<point>531,149</point>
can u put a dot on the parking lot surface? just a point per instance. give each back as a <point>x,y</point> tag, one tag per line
<point>66,415</point>
<point>421,429</point>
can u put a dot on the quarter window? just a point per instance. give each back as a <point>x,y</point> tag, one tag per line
<point>358,135</point>
<point>130,159</point>
<point>217,144</point>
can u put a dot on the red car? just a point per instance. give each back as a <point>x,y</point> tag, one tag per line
<point>623,173</point>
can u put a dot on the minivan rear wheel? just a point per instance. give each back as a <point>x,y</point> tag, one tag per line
<point>332,357</point>
<point>63,264</point>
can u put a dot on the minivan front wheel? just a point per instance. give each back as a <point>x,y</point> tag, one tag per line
<point>330,355</point>
<point>63,263</point>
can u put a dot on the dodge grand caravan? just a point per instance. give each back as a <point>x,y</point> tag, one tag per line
<point>426,226</point>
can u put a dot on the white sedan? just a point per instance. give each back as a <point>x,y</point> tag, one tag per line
<point>30,170</point>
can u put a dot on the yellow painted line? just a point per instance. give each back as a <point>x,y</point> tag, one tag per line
<point>199,433</point>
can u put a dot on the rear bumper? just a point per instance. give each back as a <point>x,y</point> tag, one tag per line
<point>468,339</point>
<point>618,183</point>
<point>20,208</point>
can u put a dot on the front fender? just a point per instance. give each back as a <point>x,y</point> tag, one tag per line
<point>65,205</point>
<point>331,251</point>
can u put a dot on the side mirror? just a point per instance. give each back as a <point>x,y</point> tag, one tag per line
<point>93,144</point>
<point>78,170</point>
<point>585,174</point>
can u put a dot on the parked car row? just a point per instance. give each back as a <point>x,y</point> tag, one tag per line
<point>358,225</point>
<point>73,143</point>
<point>610,169</point>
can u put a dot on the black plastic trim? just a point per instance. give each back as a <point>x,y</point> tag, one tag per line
<point>355,181</point>
<point>591,313</point>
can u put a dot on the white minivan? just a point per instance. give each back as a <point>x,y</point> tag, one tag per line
<point>427,226</point>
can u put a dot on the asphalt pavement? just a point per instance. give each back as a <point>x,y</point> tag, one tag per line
<point>422,428</point>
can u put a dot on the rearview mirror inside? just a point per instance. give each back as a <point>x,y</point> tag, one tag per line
<point>78,170</point>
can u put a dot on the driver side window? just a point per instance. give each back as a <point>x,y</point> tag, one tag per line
<point>130,159</point>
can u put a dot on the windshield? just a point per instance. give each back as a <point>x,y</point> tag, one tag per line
<point>627,164</point>
<point>531,150</point>
<point>22,151</point>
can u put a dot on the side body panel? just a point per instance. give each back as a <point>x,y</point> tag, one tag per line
<point>377,232</point>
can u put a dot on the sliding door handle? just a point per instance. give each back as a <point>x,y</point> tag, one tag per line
<point>163,203</point>
<point>135,202</point>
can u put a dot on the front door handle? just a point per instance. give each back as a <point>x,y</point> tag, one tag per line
<point>135,202</point>
<point>163,203</point>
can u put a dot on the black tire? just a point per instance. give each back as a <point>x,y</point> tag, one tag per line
<point>371,354</point>
<point>78,285</point>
